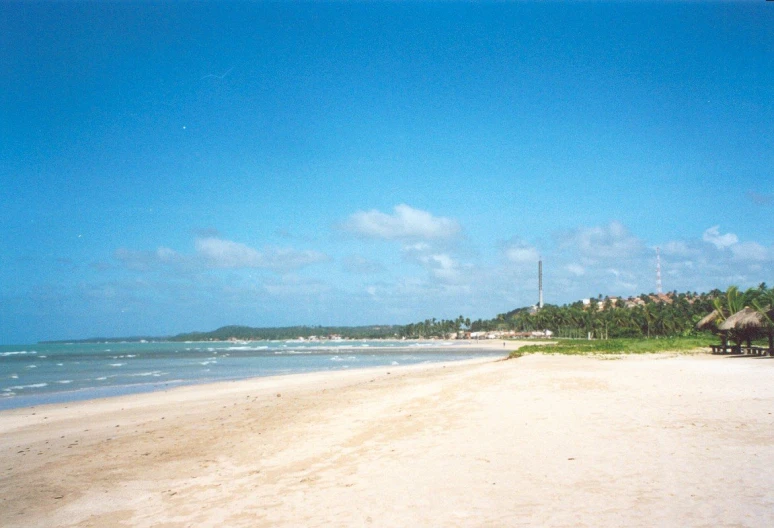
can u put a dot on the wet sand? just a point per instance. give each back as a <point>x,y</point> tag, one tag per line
<point>656,440</point>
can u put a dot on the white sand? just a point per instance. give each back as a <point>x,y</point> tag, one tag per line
<point>536,441</point>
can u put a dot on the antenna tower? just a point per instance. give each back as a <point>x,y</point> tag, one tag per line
<point>658,271</point>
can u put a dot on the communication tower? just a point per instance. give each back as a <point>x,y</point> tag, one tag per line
<point>658,271</point>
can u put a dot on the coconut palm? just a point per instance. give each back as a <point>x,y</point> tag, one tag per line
<point>728,304</point>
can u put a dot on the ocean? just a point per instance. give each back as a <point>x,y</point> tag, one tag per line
<point>64,372</point>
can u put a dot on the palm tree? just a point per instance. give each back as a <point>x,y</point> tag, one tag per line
<point>728,304</point>
<point>764,305</point>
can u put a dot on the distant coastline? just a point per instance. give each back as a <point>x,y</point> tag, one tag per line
<point>248,333</point>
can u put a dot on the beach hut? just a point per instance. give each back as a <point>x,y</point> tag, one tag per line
<point>747,324</point>
<point>711,322</point>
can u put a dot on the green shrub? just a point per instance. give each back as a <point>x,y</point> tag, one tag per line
<point>618,346</point>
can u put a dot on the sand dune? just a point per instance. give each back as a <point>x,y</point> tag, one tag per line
<point>537,441</point>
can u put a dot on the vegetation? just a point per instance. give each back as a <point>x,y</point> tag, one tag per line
<point>434,328</point>
<point>760,299</point>
<point>670,315</point>
<point>617,346</point>
<point>652,316</point>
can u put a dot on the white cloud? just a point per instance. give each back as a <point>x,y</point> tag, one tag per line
<point>522,254</point>
<point>442,267</point>
<point>713,236</point>
<point>285,259</point>
<point>290,286</point>
<point>419,247</point>
<point>678,249</point>
<point>750,251</point>
<point>361,265</point>
<point>405,223</point>
<point>612,241</point>
<point>165,254</point>
<point>575,269</point>
<point>227,254</point>
<point>621,278</point>
<point>221,253</point>
<point>147,260</point>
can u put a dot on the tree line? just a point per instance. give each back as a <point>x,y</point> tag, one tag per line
<point>648,315</point>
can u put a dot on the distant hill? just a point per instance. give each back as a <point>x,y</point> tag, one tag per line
<point>248,333</point>
<point>290,332</point>
<point>132,339</point>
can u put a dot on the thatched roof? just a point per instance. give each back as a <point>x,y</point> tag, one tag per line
<point>708,322</point>
<point>745,319</point>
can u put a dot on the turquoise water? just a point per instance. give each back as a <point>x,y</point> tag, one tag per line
<point>53,373</point>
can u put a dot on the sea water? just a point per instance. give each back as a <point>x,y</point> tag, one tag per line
<point>63,372</point>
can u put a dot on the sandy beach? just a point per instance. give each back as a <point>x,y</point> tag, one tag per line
<point>657,440</point>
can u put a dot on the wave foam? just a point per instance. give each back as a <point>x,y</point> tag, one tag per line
<point>22,387</point>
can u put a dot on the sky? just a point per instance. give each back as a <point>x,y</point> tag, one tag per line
<point>170,167</point>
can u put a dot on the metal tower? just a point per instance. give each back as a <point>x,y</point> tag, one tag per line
<point>658,271</point>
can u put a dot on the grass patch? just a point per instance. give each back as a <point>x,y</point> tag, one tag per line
<point>618,346</point>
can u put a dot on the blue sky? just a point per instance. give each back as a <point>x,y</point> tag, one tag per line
<point>168,168</point>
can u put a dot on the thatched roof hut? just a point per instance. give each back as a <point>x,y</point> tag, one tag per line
<point>709,321</point>
<point>747,320</point>
<point>749,323</point>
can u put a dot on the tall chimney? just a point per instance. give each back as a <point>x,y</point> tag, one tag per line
<point>540,283</point>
